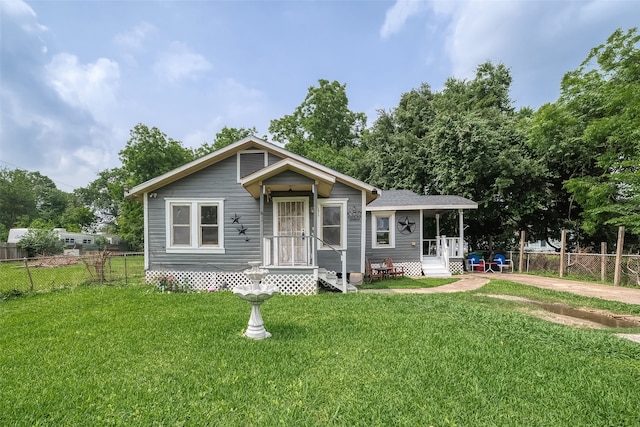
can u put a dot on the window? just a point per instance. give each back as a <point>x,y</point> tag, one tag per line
<point>195,226</point>
<point>86,241</point>
<point>383,232</point>
<point>332,223</point>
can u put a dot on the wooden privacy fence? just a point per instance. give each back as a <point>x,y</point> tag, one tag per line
<point>11,251</point>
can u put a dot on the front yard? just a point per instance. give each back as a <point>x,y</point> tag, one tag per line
<point>110,355</point>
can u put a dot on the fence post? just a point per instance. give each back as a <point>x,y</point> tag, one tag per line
<point>563,243</point>
<point>617,271</point>
<point>26,265</point>
<point>521,260</point>
<point>126,278</point>
<point>603,261</point>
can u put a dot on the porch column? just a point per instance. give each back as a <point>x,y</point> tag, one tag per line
<point>314,241</point>
<point>461,227</point>
<point>262,223</point>
<point>437,225</point>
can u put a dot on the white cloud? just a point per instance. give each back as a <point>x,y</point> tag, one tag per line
<point>398,14</point>
<point>134,38</point>
<point>90,87</point>
<point>180,63</point>
<point>19,10</point>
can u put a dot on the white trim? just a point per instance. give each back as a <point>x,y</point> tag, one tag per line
<point>419,207</point>
<point>194,246</point>
<point>363,231</point>
<point>253,151</point>
<point>145,233</point>
<point>343,222</point>
<point>392,229</point>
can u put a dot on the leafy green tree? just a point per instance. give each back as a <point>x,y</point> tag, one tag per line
<point>226,136</point>
<point>17,199</point>
<point>104,197</point>
<point>465,140</point>
<point>590,140</point>
<point>147,154</point>
<point>322,128</point>
<point>41,241</point>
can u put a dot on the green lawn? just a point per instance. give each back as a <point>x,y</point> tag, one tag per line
<point>15,277</point>
<point>109,355</point>
<point>407,283</point>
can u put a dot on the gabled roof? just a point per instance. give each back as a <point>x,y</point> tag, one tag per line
<point>253,182</point>
<point>408,200</point>
<point>230,150</point>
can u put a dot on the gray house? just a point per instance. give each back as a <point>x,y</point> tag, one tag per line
<point>306,223</point>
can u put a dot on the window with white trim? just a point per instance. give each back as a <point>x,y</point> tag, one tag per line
<point>332,221</point>
<point>383,232</point>
<point>195,225</point>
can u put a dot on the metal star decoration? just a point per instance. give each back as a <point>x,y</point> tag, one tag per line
<point>235,218</point>
<point>242,230</point>
<point>406,225</point>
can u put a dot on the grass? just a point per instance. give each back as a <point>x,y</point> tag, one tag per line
<point>14,278</point>
<point>130,356</point>
<point>407,283</point>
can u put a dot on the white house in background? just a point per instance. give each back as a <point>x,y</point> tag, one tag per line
<point>542,246</point>
<point>68,237</point>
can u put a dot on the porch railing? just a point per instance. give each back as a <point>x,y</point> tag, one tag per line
<point>297,251</point>
<point>434,247</point>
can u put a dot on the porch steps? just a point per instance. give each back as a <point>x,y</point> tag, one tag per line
<point>332,281</point>
<point>434,267</point>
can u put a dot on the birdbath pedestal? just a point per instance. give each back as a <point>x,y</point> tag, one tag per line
<point>255,294</point>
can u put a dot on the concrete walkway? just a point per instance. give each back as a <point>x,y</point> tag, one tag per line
<point>473,281</point>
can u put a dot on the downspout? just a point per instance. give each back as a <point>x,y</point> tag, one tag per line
<point>145,210</point>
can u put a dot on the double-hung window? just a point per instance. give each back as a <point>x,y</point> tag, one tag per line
<point>195,225</point>
<point>383,233</point>
<point>333,220</point>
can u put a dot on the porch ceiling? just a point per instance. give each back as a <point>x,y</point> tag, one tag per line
<point>323,181</point>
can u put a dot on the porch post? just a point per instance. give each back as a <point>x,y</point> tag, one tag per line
<point>314,241</point>
<point>461,227</point>
<point>437,225</point>
<point>262,223</point>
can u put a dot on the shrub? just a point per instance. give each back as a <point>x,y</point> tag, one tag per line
<point>39,241</point>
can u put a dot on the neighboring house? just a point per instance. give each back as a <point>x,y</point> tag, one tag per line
<point>306,223</point>
<point>68,237</point>
<point>542,246</point>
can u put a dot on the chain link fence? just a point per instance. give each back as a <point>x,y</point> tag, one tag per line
<point>66,271</point>
<point>582,266</point>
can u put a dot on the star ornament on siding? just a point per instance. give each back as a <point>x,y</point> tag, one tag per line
<point>406,226</point>
<point>242,230</point>
<point>235,218</point>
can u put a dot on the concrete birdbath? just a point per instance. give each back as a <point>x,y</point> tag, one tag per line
<point>255,294</point>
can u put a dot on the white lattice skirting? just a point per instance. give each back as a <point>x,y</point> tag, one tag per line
<point>410,268</point>
<point>289,284</point>
<point>456,267</point>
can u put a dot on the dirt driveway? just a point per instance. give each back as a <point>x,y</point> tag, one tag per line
<point>469,282</point>
<point>612,293</point>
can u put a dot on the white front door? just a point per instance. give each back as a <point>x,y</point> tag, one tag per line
<point>291,222</point>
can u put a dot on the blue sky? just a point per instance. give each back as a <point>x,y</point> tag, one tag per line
<point>77,76</point>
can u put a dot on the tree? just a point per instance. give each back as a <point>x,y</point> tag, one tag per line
<point>466,140</point>
<point>147,154</point>
<point>16,198</point>
<point>104,197</point>
<point>226,136</point>
<point>41,241</point>
<point>322,128</point>
<point>590,139</point>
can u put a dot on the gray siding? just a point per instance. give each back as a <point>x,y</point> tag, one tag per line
<point>329,259</point>
<point>404,251</point>
<point>250,163</point>
<point>214,182</point>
